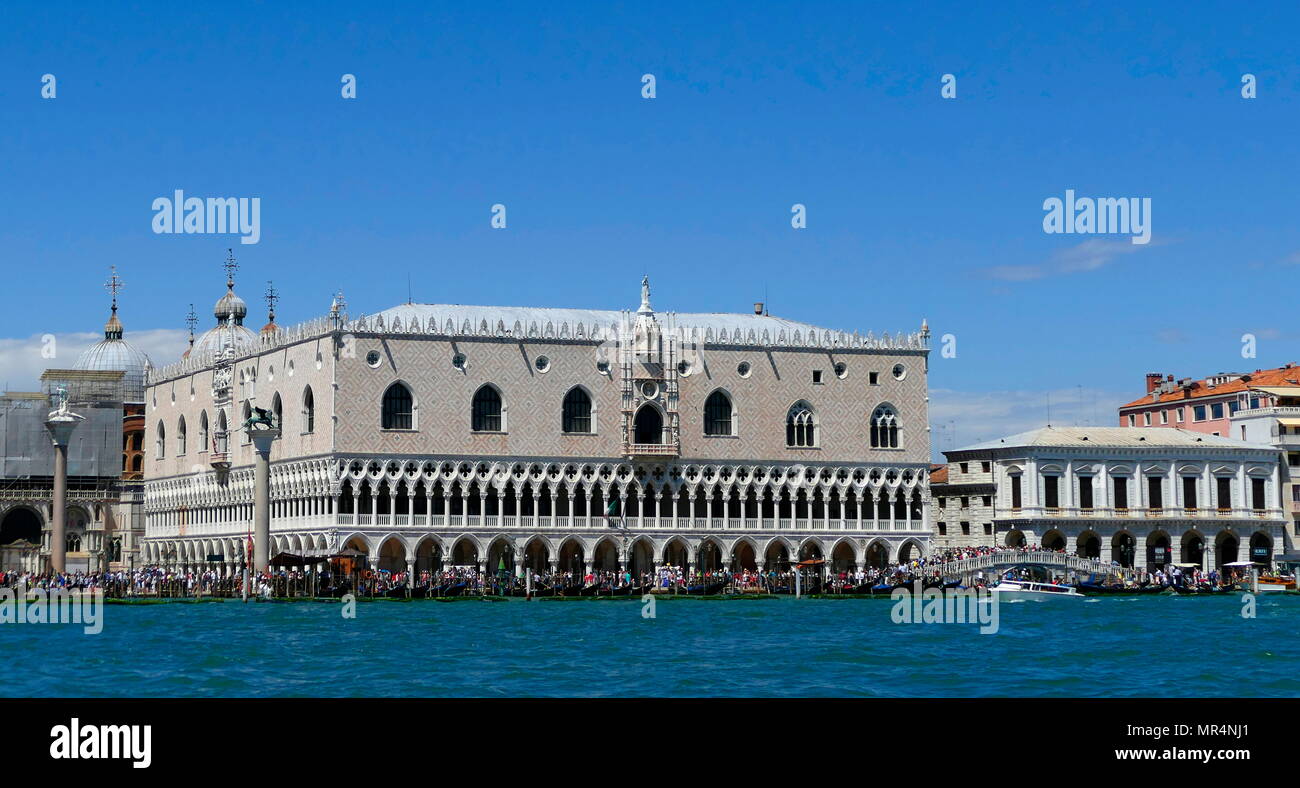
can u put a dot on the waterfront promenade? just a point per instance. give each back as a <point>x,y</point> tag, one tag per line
<point>968,567</point>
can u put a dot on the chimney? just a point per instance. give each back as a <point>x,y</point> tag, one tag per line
<point>758,307</point>
<point>1153,380</point>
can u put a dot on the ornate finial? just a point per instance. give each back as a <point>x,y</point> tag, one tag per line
<point>338,308</point>
<point>645,295</point>
<point>113,285</point>
<point>271,297</point>
<point>191,320</point>
<point>925,328</point>
<point>231,266</point>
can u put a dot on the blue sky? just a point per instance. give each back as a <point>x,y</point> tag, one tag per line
<point>917,206</point>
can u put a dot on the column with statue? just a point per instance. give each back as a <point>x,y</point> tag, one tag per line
<point>60,423</point>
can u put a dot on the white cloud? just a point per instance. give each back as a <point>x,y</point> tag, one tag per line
<point>962,418</point>
<point>22,360</point>
<point>1089,255</point>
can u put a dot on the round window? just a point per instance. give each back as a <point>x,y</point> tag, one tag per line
<point>372,358</point>
<point>649,390</point>
<point>900,372</point>
<point>602,367</point>
<point>743,369</point>
<point>542,363</point>
<point>683,368</point>
<point>841,370</point>
<point>458,361</point>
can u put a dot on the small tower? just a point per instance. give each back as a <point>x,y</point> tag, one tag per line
<point>271,297</point>
<point>192,321</point>
<point>113,328</point>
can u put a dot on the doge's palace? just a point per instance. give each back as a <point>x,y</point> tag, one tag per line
<point>432,435</point>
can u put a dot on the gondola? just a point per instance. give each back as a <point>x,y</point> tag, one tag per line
<point>397,592</point>
<point>631,589</point>
<point>591,590</point>
<point>883,589</point>
<point>706,589</point>
<point>449,589</point>
<point>1099,588</point>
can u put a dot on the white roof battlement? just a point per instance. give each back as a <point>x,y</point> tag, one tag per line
<point>590,325</point>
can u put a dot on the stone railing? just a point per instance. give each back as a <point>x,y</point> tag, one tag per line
<point>1016,557</point>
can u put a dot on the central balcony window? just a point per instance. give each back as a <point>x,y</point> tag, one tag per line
<point>1051,493</point>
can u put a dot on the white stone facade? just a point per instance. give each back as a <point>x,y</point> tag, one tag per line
<point>435,490</point>
<point>1140,496</point>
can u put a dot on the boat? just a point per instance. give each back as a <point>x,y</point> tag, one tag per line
<point>1102,588</point>
<point>1029,590</point>
<point>706,589</point>
<point>451,589</point>
<point>1276,583</point>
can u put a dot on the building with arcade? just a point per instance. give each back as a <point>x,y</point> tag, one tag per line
<point>432,435</point>
<point>1142,497</point>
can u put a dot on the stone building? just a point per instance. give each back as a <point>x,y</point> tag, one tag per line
<point>104,520</point>
<point>963,494</point>
<point>431,435</point>
<point>1144,497</point>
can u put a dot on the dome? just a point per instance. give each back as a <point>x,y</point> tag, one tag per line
<point>114,353</point>
<point>230,311</point>
<point>230,305</point>
<point>214,339</point>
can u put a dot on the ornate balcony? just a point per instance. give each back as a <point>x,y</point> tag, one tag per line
<point>651,450</point>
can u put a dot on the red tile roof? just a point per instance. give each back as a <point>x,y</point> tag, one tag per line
<point>939,474</point>
<point>1200,389</point>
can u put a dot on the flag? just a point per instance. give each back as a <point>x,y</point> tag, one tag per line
<point>610,512</point>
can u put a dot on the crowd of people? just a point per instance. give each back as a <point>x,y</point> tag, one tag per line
<point>328,580</point>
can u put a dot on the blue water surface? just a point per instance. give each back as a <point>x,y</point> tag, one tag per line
<point>1162,646</point>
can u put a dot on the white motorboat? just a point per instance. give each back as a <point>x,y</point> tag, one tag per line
<point>1027,589</point>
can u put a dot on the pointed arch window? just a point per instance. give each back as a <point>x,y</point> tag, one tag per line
<point>800,426</point>
<point>308,410</point>
<point>203,431</point>
<point>577,411</point>
<point>221,438</point>
<point>277,411</point>
<point>717,414</point>
<point>160,442</point>
<point>486,411</point>
<point>884,428</point>
<point>398,408</point>
<point>648,425</point>
<point>180,436</point>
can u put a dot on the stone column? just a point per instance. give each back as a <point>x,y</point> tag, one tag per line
<point>262,439</point>
<point>60,424</point>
